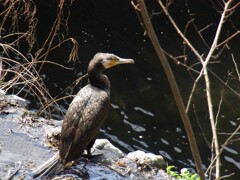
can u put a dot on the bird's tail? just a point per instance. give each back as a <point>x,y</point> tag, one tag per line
<point>49,168</point>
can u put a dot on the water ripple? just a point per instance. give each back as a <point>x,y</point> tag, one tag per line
<point>135,127</point>
<point>231,160</point>
<point>144,111</point>
<point>166,155</point>
<point>230,150</point>
<point>140,142</point>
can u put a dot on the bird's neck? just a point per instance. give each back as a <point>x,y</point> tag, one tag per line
<point>99,80</point>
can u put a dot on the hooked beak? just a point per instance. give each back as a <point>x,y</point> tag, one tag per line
<point>125,61</point>
<point>116,61</point>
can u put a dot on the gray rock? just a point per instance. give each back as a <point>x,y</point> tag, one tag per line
<point>26,141</point>
<point>147,159</point>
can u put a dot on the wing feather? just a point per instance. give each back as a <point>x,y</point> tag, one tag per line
<point>82,121</point>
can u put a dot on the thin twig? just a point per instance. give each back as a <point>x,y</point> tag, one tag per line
<point>208,90</point>
<point>174,87</point>
<point>204,72</point>
<point>221,150</point>
<point>236,66</point>
<point>218,111</point>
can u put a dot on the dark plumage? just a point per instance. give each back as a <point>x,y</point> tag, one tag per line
<point>85,115</point>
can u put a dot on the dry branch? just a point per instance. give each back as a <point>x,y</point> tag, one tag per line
<point>171,79</point>
<point>204,72</point>
<point>24,71</point>
<point>225,12</point>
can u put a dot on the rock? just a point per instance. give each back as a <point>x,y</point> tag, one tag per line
<point>23,148</point>
<point>2,93</point>
<point>150,159</point>
<point>17,101</point>
<point>108,149</point>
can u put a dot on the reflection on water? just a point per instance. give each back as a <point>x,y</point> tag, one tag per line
<point>165,155</point>
<point>138,129</point>
<point>135,127</point>
<point>140,142</point>
<point>164,141</point>
<point>232,151</point>
<point>144,111</point>
<point>117,140</point>
<point>231,160</point>
<point>178,150</point>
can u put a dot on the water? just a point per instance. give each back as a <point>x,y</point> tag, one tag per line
<point>143,114</point>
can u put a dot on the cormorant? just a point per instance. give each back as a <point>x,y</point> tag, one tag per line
<point>84,117</point>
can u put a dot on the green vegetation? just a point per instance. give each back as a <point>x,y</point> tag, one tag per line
<point>184,174</point>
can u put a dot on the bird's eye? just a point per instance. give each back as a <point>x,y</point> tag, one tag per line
<point>109,58</point>
<point>113,59</point>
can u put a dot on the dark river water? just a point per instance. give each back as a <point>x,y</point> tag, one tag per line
<point>144,114</point>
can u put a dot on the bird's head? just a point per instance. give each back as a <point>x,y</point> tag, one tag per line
<point>104,61</point>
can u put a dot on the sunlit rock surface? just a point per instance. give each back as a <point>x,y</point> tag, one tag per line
<point>26,141</point>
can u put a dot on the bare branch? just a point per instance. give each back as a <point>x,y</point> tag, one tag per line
<point>204,72</point>
<point>228,39</point>
<point>173,85</point>
<point>236,66</point>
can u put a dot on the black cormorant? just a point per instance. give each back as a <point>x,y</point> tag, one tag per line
<point>84,117</point>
